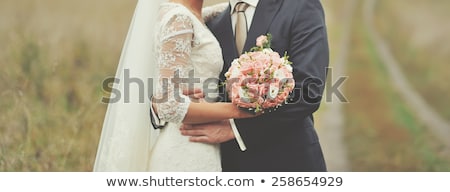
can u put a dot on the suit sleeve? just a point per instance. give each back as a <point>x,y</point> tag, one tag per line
<point>310,56</point>
<point>309,53</point>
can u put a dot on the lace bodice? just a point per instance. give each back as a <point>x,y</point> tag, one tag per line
<point>185,50</point>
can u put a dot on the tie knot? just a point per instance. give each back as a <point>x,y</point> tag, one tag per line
<point>241,7</point>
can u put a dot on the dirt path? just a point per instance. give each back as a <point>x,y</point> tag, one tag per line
<point>422,111</point>
<point>332,119</point>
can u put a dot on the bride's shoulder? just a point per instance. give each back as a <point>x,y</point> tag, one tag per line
<point>169,9</point>
<point>170,12</point>
<point>173,18</point>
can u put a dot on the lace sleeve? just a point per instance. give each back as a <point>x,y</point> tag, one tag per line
<point>208,13</point>
<point>173,57</point>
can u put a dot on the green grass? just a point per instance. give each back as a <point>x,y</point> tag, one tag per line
<point>418,36</point>
<point>382,134</point>
<point>54,57</point>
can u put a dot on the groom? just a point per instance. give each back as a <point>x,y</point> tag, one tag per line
<point>284,140</point>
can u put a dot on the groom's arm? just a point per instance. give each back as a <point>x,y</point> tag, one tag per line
<point>308,50</point>
<point>309,53</point>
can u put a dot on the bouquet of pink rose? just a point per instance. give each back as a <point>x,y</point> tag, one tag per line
<point>260,80</point>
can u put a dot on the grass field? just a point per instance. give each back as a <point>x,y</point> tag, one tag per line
<point>418,33</point>
<point>55,54</point>
<point>382,133</point>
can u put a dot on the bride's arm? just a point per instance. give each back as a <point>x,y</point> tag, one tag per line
<point>211,112</point>
<point>174,60</point>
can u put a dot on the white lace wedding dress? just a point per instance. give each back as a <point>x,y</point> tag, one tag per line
<point>184,45</point>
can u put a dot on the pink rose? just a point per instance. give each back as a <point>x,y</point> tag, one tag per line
<point>260,79</point>
<point>246,70</point>
<point>274,55</point>
<point>280,101</point>
<point>261,58</point>
<point>269,103</point>
<point>253,90</point>
<point>261,40</point>
<point>244,57</point>
<point>263,89</point>
<point>248,80</point>
<point>287,74</point>
<point>234,94</point>
<point>276,62</point>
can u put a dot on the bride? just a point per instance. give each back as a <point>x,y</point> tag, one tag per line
<point>180,48</point>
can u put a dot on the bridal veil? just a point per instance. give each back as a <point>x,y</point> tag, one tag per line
<point>127,136</point>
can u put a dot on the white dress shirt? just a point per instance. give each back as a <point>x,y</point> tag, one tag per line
<point>249,12</point>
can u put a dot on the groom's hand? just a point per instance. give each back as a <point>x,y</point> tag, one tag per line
<point>212,133</point>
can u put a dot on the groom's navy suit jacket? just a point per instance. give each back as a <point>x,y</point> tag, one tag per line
<point>284,140</point>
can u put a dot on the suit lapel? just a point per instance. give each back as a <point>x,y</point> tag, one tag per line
<point>221,26</point>
<point>264,15</point>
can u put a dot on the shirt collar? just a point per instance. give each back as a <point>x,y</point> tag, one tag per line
<point>252,3</point>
